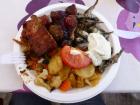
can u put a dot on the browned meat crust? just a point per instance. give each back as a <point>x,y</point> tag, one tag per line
<point>39,39</point>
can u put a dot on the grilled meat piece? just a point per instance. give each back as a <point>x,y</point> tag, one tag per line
<point>70,22</point>
<point>30,27</point>
<point>42,42</point>
<point>44,20</point>
<point>71,10</point>
<point>56,31</point>
<point>39,39</point>
<point>57,16</point>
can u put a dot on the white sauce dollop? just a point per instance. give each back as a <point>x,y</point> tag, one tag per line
<point>74,52</point>
<point>98,48</point>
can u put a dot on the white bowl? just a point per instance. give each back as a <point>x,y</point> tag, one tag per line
<point>74,95</point>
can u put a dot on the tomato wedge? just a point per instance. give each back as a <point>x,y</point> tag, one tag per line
<point>74,61</point>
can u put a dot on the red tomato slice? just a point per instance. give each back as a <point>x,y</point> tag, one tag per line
<point>74,61</point>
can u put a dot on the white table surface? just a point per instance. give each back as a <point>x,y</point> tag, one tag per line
<point>11,11</point>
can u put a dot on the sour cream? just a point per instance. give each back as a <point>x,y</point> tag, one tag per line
<point>99,48</point>
<point>74,52</point>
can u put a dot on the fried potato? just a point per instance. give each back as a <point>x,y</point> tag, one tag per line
<point>55,82</point>
<point>72,80</point>
<point>40,82</point>
<point>80,82</point>
<point>88,82</point>
<point>85,72</point>
<point>95,76</point>
<point>55,65</point>
<point>94,80</point>
<point>64,73</point>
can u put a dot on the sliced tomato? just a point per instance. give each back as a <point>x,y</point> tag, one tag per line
<point>74,61</point>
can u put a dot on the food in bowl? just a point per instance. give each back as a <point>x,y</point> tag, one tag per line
<point>66,49</point>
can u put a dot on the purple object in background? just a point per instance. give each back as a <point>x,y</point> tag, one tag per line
<point>32,7</point>
<point>23,90</point>
<point>130,5</point>
<point>129,19</point>
<point>35,5</point>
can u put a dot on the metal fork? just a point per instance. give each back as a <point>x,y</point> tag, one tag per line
<point>12,58</point>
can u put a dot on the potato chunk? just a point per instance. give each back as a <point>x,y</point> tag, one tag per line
<point>80,82</point>
<point>55,82</point>
<point>85,72</point>
<point>55,65</point>
<point>64,73</point>
<point>94,80</point>
<point>72,79</point>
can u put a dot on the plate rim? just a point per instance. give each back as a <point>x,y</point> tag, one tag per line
<point>29,85</point>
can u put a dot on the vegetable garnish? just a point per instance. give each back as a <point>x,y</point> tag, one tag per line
<point>66,85</point>
<point>74,61</point>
